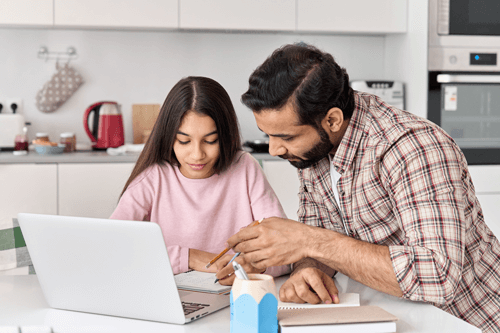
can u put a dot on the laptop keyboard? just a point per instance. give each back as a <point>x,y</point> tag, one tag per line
<point>192,307</point>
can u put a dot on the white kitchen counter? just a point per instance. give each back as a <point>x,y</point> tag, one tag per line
<point>85,157</point>
<point>22,304</point>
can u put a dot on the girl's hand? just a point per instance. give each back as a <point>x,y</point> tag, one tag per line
<point>199,259</point>
<point>225,272</point>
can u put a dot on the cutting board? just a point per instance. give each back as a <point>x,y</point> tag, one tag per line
<point>143,120</point>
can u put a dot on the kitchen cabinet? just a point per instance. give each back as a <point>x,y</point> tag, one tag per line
<point>91,189</point>
<point>285,182</point>
<point>354,16</point>
<point>486,179</point>
<point>117,13</point>
<point>325,16</point>
<point>27,188</point>
<point>278,15</point>
<point>26,12</point>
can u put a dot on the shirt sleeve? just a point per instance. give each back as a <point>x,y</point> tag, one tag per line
<point>424,173</point>
<point>136,204</point>
<point>264,202</point>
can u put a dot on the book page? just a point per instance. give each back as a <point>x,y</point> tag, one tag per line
<point>199,281</point>
<point>346,299</point>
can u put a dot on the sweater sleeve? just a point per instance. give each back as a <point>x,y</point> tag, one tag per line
<point>264,202</point>
<point>136,204</point>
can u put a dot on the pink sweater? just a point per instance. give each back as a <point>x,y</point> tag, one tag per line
<point>200,213</point>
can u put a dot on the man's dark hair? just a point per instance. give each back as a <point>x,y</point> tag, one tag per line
<point>305,76</point>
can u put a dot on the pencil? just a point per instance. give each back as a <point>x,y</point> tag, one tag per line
<point>217,257</point>
<point>230,261</point>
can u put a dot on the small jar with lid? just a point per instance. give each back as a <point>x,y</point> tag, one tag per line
<point>68,139</point>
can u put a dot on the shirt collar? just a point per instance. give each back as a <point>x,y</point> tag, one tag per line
<point>352,137</point>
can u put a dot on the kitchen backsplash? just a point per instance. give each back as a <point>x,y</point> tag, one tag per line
<point>140,67</point>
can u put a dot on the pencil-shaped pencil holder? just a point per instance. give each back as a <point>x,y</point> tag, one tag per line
<point>254,305</point>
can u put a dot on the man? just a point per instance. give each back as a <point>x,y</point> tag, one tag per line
<point>385,196</point>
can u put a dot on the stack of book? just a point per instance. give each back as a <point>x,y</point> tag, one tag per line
<point>346,317</point>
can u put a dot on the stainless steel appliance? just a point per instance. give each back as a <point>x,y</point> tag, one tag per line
<point>391,92</point>
<point>464,75</point>
<point>464,35</point>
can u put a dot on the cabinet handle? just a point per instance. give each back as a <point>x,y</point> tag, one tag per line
<point>451,78</point>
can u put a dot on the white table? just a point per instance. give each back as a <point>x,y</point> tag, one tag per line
<point>22,304</point>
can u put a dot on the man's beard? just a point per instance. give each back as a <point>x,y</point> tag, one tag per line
<point>314,155</point>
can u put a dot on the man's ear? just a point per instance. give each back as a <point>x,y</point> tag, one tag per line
<point>332,123</point>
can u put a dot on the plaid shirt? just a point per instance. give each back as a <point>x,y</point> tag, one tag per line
<point>405,184</point>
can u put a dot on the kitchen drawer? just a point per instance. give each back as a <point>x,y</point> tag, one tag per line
<point>91,189</point>
<point>27,188</point>
<point>285,182</point>
<point>490,203</point>
<point>486,178</point>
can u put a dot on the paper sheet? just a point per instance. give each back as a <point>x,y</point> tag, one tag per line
<point>346,299</point>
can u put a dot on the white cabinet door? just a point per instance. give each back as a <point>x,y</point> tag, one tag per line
<point>486,179</point>
<point>275,15</point>
<point>490,203</point>
<point>117,13</point>
<point>285,182</point>
<point>26,12</point>
<point>353,16</point>
<point>91,189</point>
<point>27,188</point>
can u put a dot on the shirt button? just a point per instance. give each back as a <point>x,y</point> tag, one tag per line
<point>341,193</point>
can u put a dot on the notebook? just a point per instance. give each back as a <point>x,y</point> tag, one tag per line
<point>345,299</point>
<point>355,319</point>
<point>200,281</point>
<point>110,267</point>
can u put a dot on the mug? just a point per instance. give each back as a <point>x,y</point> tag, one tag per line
<point>254,305</point>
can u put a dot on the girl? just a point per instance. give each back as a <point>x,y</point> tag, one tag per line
<point>193,179</point>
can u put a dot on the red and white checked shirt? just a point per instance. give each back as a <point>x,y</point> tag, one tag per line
<point>405,184</point>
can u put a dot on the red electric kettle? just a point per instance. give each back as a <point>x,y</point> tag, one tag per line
<point>107,125</point>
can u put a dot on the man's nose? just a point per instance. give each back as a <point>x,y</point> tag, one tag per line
<point>275,147</point>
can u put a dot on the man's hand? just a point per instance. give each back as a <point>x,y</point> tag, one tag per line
<point>274,242</point>
<point>225,272</point>
<point>309,285</point>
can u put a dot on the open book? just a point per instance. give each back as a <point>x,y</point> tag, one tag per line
<point>345,299</point>
<point>200,281</point>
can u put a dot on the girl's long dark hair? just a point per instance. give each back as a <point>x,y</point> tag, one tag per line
<point>201,95</point>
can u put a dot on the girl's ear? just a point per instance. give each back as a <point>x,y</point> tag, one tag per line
<point>333,121</point>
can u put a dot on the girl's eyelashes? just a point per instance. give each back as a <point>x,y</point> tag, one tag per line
<point>208,142</point>
<point>290,138</point>
<point>212,142</point>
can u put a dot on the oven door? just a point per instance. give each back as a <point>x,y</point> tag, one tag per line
<point>467,107</point>
<point>472,17</point>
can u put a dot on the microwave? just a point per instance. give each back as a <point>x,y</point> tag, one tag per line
<point>464,35</point>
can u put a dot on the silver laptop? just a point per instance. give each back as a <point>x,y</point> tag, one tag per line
<point>110,267</point>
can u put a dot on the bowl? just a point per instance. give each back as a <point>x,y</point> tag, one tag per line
<point>49,150</point>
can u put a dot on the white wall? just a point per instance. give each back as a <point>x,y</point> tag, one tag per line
<point>406,57</point>
<point>141,67</point>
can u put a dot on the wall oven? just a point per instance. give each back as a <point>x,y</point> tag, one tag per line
<point>464,75</point>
